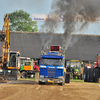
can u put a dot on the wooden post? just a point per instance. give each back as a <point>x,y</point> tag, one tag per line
<point>36,76</point>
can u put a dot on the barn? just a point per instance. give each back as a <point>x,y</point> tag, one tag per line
<point>81,47</point>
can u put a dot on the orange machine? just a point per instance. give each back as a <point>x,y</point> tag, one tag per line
<point>4,37</point>
<point>27,69</point>
<point>10,59</point>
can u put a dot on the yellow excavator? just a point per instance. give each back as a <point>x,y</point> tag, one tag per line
<point>10,59</point>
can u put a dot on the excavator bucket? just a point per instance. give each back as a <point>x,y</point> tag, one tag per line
<point>11,74</point>
<point>10,77</point>
<point>6,74</point>
<point>2,76</point>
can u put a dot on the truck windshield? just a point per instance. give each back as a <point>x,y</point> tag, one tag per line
<point>27,63</point>
<point>51,61</point>
<point>12,62</point>
<point>22,60</point>
<point>75,64</point>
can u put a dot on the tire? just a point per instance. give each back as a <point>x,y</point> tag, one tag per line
<point>74,76</point>
<point>31,76</point>
<point>96,75</point>
<point>63,83</point>
<point>24,74</point>
<point>85,74</point>
<point>40,83</point>
<point>91,74</point>
<point>67,79</point>
<point>81,76</point>
<point>88,76</point>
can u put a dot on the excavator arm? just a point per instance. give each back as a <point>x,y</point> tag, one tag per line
<point>4,38</point>
<point>10,62</point>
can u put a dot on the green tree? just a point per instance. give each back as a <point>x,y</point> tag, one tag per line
<point>21,21</point>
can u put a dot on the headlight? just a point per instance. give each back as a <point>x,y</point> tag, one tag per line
<point>43,66</point>
<point>9,71</point>
<point>1,70</point>
<point>60,77</point>
<point>41,76</point>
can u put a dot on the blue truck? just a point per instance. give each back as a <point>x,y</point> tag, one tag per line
<point>52,66</point>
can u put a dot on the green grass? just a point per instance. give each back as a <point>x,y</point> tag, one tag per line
<point>29,79</point>
<point>77,80</point>
<point>82,81</point>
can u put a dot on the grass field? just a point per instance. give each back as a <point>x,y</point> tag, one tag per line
<point>72,80</point>
<point>30,79</point>
<point>77,80</point>
<point>82,81</point>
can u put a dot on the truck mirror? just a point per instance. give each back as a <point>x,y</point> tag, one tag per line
<point>18,55</point>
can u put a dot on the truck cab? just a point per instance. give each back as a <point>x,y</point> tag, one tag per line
<point>27,69</point>
<point>52,66</point>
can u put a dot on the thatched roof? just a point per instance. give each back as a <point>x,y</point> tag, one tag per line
<point>82,47</point>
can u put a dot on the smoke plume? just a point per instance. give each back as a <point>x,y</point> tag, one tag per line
<point>46,32</point>
<point>88,9</point>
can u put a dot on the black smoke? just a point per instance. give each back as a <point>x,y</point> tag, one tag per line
<point>88,9</point>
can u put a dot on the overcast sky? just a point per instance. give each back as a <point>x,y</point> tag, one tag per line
<point>37,7</point>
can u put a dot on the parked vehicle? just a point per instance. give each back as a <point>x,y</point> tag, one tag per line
<point>10,59</point>
<point>27,69</point>
<point>76,69</point>
<point>92,74</point>
<point>52,66</point>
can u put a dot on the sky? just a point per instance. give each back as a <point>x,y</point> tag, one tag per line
<point>38,7</point>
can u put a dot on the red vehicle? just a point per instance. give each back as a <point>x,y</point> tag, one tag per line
<point>36,65</point>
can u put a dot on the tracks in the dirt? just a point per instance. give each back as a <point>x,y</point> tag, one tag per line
<point>23,89</point>
<point>19,82</point>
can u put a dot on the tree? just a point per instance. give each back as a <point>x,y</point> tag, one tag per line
<point>21,21</point>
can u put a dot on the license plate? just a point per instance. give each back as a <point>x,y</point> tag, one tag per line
<point>50,81</point>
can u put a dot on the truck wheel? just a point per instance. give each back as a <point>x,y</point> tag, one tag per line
<point>24,74</point>
<point>96,75</point>
<point>63,83</point>
<point>91,74</point>
<point>81,76</point>
<point>31,76</point>
<point>88,76</point>
<point>85,74</point>
<point>40,83</point>
<point>67,79</point>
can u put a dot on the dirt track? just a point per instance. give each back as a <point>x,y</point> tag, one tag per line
<point>72,91</point>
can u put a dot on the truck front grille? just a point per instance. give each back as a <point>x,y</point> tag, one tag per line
<point>51,72</point>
